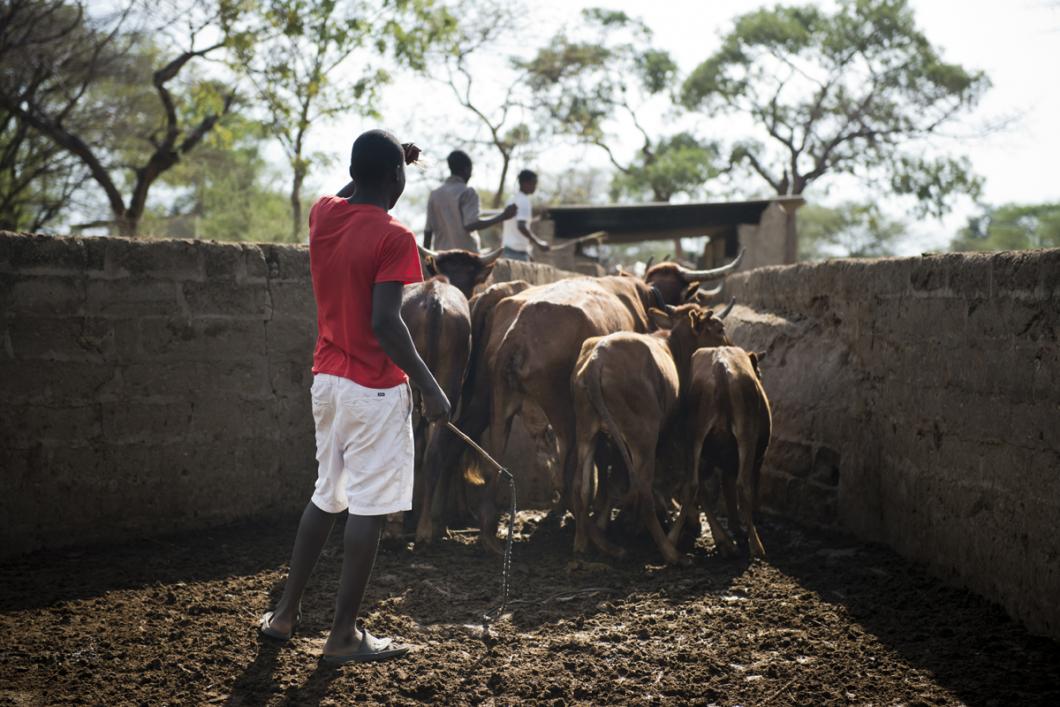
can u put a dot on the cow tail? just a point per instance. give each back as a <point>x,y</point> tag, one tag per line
<point>473,470</point>
<point>434,330</point>
<point>596,398</point>
<point>724,395</point>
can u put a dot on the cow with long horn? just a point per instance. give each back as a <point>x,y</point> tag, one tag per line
<point>677,283</point>
<point>532,356</point>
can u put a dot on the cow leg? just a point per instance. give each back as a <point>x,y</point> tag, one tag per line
<point>747,487</point>
<point>689,491</point>
<point>429,484</point>
<point>503,410</point>
<point>723,542</point>
<point>732,506</point>
<point>597,530</point>
<point>645,497</point>
<point>582,495</point>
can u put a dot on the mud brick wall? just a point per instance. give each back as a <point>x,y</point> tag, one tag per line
<point>155,385</point>
<point>917,403</point>
<point>150,386</point>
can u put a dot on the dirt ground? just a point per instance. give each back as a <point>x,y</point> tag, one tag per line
<point>824,621</point>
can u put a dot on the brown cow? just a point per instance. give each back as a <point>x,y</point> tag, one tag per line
<point>463,268</point>
<point>534,343</point>
<point>439,321</point>
<point>627,385</point>
<point>728,426</point>
<point>472,413</point>
<point>678,284</point>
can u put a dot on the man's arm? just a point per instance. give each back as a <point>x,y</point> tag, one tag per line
<point>394,338</point>
<point>428,236</point>
<point>481,223</point>
<point>524,228</point>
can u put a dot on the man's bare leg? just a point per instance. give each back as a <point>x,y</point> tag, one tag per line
<point>360,543</point>
<point>313,531</point>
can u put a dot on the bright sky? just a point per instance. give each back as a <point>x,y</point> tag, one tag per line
<point>1017,43</point>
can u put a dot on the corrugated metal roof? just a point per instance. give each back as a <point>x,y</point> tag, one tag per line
<point>644,222</point>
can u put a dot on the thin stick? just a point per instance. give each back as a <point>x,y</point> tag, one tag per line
<point>596,236</point>
<point>471,443</point>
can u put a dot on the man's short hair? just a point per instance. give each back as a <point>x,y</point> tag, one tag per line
<point>374,156</point>
<point>458,161</point>
<point>527,176</point>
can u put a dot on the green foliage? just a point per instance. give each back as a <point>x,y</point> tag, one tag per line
<point>587,81</point>
<point>112,85</point>
<point>844,92</point>
<point>677,164</point>
<point>848,230</point>
<point>224,191</point>
<point>1011,227</point>
<point>304,45</point>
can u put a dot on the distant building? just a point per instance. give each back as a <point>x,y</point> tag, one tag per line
<point>765,227</point>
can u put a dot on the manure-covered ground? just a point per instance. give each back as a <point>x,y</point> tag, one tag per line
<point>825,620</point>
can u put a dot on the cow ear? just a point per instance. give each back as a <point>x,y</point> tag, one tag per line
<point>695,320</point>
<point>660,318</point>
<point>756,358</point>
<point>429,262</point>
<point>690,293</point>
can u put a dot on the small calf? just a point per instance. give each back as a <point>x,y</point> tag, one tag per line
<point>728,423</point>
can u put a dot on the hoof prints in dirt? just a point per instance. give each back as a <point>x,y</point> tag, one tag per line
<point>824,621</point>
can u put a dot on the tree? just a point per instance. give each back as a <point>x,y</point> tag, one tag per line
<point>482,24</point>
<point>608,73</point>
<point>849,230</point>
<point>38,179</point>
<point>1011,227</point>
<point>224,190</point>
<point>680,163</point>
<point>852,92</point>
<point>62,63</point>
<point>306,42</point>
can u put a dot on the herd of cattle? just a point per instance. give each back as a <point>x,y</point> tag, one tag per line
<point>626,370</point>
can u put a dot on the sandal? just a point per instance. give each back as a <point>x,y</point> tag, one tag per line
<point>266,629</point>
<point>370,649</point>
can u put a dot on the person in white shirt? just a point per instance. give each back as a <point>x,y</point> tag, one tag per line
<point>517,234</point>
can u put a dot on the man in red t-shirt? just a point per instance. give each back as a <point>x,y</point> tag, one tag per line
<point>360,258</point>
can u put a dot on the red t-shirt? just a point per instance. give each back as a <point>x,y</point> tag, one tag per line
<point>352,247</point>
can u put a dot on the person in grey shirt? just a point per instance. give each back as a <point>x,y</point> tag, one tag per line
<point>453,217</point>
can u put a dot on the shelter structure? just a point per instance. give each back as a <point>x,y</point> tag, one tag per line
<point>764,227</point>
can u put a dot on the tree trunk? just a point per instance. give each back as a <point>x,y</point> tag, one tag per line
<point>296,203</point>
<point>128,226</point>
<point>498,198</point>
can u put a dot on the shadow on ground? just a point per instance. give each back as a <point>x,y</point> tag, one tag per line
<point>825,620</point>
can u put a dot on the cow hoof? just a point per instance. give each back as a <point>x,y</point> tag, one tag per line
<point>727,550</point>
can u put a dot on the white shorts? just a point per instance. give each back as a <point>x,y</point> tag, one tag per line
<point>365,451</point>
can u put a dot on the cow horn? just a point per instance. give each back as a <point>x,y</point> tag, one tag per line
<point>713,292</point>
<point>728,308</point>
<point>713,274</point>
<point>491,257</point>
<point>647,265</point>
<point>426,252</point>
